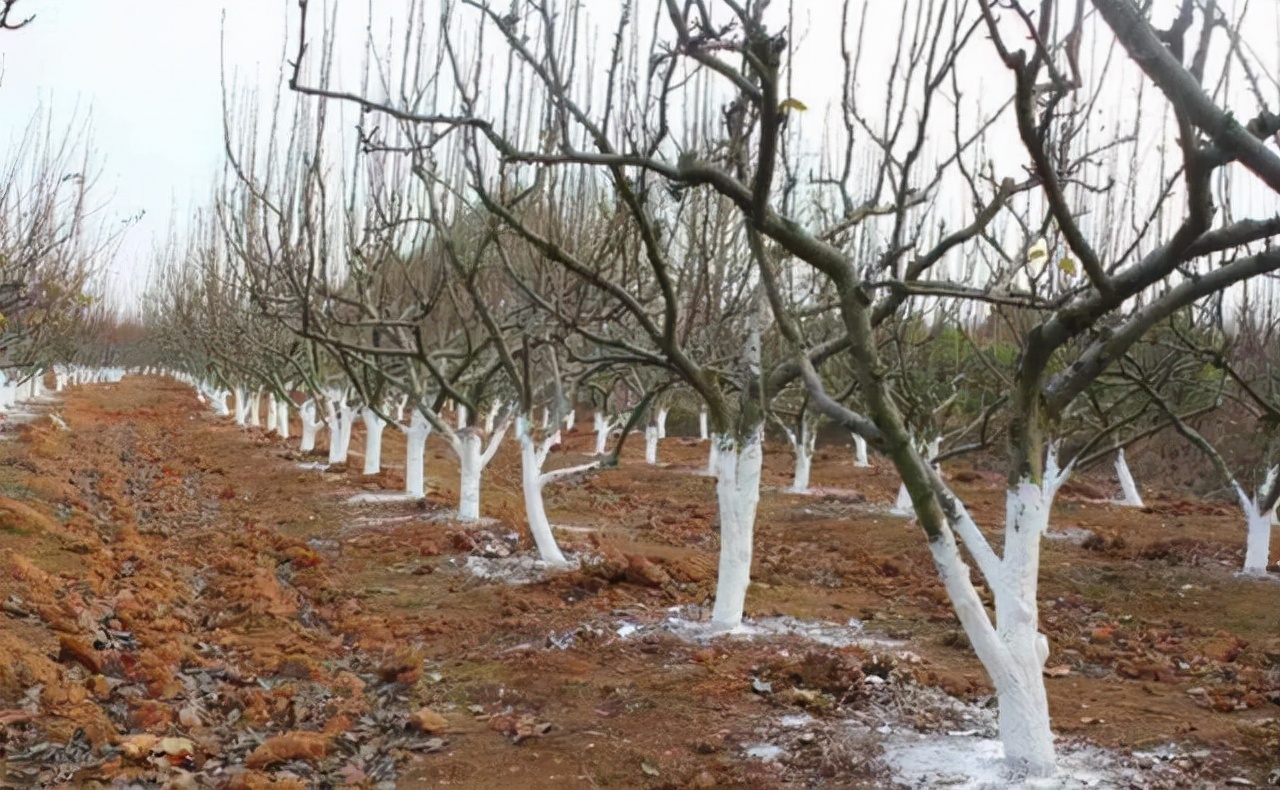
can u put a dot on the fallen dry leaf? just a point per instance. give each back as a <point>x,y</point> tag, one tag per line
<point>297,745</point>
<point>428,721</point>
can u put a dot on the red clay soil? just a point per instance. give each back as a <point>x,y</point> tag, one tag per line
<point>185,605</point>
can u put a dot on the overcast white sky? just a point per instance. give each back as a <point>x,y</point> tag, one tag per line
<point>147,72</point>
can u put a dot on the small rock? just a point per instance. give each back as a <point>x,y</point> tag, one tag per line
<point>188,717</point>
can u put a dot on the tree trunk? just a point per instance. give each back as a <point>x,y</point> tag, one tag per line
<point>373,427</point>
<point>468,448</point>
<point>310,426</point>
<point>241,405</point>
<point>415,455</point>
<point>662,423</point>
<point>902,505</point>
<point>1128,488</point>
<point>1257,552</point>
<point>602,427</point>
<point>860,452</point>
<point>737,494</point>
<point>1019,679</point>
<point>272,414</point>
<point>702,425</point>
<point>535,508</point>
<point>802,447</point>
<point>1013,652</point>
<point>651,444</point>
<point>255,409</point>
<point>713,456</point>
<point>282,418</point>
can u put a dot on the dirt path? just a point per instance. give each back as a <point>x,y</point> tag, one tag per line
<point>184,603</point>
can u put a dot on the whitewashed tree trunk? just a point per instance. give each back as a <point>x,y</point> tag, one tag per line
<point>651,444</point>
<point>1012,649</point>
<point>255,409</point>
<point>241,405</point>
<point>662,423</point>
<point>490,417</point>
<point>603,427</point>
<point>803,447</point>
<point>273,415</point>
<point>737,494</point>
<point>282,418</point>
<point>1257,551</point>
<point>340,419</point>
<point>902,505</point>
<point>713,456</point>
<point>333,420</point>
<point>347,413</point>
<point>860,452</point>
<point>415,454</point>
<point>373,427</point>
<point>570,419</point>
<point>218,399</point>
<point>473,457</point>
<point>461,415</point>
<point>546,418</point>
<point>702,425</point>
<point>311,425</point>
<point>532,458</point>
<point>1128,488</point>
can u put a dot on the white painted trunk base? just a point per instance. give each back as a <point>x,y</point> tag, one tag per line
<point>902,505</point>
<point>1012,650</point>
<point>1129,495</point>
<point>468,449</point>
<point>651,444</point>
<point>602,428</point>
<point>804,462</point>
<point>241,406</point>
<point>415,455</point>
<point>713,456</point>
<point>282,419</point>
<point>1257,550</point>
<point>662,423</point>
<point>802,447</point>
<point>532,481</point>
<point>255,410</point>
<point>373,427</point>
<point>737,494</point>
<point>702,425</point>
<point>310,426</point>
<point>273,415</point>
<point>860,452</point>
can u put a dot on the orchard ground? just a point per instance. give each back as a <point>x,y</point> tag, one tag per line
<point>184,602</point>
